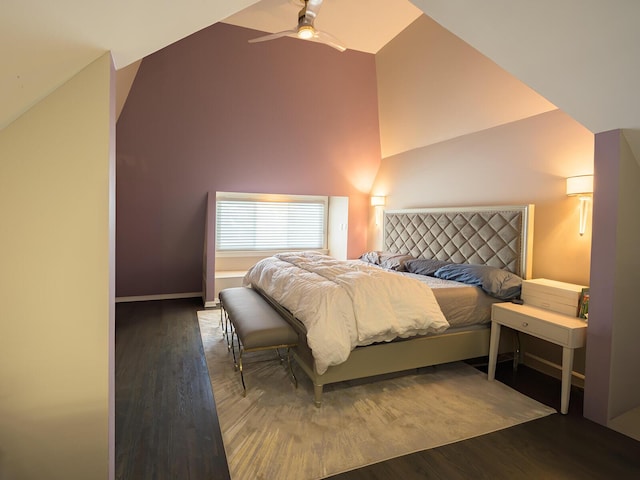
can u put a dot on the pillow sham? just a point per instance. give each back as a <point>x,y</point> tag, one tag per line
<point>494,281</point>
<point>424,266</point>
<point>394,261</point>
<point>371,257</point>
<point>389,260</point>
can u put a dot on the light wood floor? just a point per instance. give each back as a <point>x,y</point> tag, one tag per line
<point>167,428</point>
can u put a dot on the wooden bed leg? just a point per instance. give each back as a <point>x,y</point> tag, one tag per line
<point>317,395</point>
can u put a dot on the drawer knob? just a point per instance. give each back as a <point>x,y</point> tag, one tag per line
<point>525,324</point>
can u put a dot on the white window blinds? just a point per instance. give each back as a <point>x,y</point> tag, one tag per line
<point>250,225</point>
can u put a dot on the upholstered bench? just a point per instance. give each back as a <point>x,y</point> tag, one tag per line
<point>256,325</point>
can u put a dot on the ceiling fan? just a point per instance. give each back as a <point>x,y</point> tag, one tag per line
<point>305,29</point>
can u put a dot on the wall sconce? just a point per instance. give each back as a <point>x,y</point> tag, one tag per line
<point>378,202</point>
<point>581,187</point>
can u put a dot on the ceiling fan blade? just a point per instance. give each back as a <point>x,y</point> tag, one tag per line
<point>273,36</point>
<point>305,29</point>
<point>328,39</point>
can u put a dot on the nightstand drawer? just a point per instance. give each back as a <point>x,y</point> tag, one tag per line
<point>533,326</point>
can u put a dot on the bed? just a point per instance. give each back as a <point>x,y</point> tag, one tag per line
<point>498,237</point>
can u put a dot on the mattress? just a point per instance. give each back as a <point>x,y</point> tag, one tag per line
<point>462,305</point>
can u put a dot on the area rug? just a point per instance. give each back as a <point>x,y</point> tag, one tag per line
<point>276,432</point>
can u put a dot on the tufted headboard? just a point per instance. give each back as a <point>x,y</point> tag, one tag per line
<point>500,236</point>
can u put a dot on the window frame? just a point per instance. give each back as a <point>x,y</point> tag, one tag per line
<point>275,198</point>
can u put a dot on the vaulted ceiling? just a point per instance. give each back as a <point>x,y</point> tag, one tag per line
<point>364,26</point>
<point>582,55</point>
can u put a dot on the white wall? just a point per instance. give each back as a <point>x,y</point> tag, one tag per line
<point>519,163</point>
<point>464,132</point>
<point>625,372</point>
<point>458,130</point>
<point>611,387</point>
<point>433,87</point>
<point>57,283</point>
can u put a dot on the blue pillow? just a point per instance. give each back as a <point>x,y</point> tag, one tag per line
<point>494,281</point>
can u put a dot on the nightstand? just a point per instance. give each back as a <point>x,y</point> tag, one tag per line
<point>564,330</point>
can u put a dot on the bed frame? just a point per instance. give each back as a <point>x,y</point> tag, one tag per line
<point>500,236</point>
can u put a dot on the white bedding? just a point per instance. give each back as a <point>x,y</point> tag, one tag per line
<point>346,304</point>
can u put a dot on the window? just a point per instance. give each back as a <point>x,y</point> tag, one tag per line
<point>251,222</point>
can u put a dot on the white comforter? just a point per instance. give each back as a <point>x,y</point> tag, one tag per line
<point>346,304</point>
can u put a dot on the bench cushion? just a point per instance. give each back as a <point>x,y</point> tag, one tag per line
<point>256,323</point>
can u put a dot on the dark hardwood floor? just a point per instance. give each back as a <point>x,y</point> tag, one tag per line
<point>167,428</point>
<point>166,422</point>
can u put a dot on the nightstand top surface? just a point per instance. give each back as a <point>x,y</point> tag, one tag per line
<point>542,314</point>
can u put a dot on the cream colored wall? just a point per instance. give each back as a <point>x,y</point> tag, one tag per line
<point>57,282</point>
<point>519,163</point>
<point>465,132</point>
<point>434,87</point>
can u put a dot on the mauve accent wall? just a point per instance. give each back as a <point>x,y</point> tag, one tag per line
<point>214,113</point>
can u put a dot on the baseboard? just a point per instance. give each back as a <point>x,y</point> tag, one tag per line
<point>552,369</point>
<point>628,423</point>
<point>163,296</point>
<point>212,303</point>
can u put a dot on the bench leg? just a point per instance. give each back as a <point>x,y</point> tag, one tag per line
<point>227,326</point>
<point>233,350</point>
<point>223,324</point>
<point>293,376</point>
<point>244,387</point>
<point>289,367</point>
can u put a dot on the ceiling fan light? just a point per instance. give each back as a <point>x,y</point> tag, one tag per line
<point>306,32</point>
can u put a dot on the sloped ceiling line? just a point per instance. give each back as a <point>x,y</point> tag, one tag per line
<point>582,55</point>
<point>43,44</point>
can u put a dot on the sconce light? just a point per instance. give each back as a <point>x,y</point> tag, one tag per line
<point>581,187</point>
<point>377,202</point>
